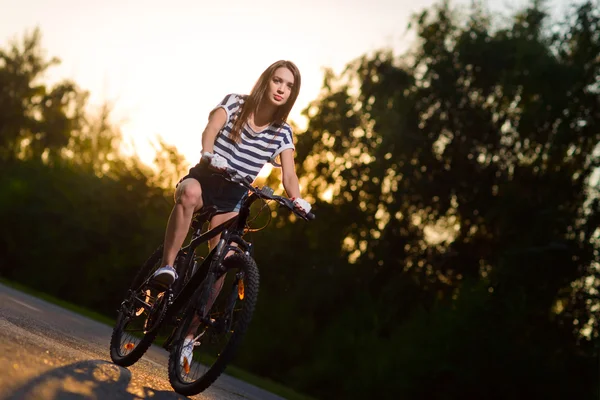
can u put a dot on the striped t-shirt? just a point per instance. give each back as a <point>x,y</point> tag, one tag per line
<point>254,149</point>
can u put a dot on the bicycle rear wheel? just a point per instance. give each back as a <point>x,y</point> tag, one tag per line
<point>217,336</point>
<point>140,315</point>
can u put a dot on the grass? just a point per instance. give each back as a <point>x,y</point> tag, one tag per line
<point>231,370</point>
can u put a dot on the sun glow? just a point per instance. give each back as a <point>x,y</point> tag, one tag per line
<point>164,67</point>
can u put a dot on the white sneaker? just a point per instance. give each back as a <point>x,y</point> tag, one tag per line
<point>187,353</point>
<point>164,277</point>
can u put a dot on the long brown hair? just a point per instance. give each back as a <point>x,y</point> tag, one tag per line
<point>257,95</point>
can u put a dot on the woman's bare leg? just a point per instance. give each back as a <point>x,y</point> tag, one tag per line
<point>188,199</point>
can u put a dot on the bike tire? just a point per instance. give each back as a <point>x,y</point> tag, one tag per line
<point>237,261</point>
<point>126,360</point>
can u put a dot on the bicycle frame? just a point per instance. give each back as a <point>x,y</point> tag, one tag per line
<point>197,277</point>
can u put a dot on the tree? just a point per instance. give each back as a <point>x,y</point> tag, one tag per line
<point>36,121</point>
<point>467,179</point>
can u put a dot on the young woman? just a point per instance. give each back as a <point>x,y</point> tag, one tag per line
<point>244,132</point>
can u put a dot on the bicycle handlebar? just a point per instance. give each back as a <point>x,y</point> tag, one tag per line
<point>265,192</point>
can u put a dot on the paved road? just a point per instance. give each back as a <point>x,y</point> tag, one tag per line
<point>47,352</point>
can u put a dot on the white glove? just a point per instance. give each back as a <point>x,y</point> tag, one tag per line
<point>216,161</point>
<point>302,205</point>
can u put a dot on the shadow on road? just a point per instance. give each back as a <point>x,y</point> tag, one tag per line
<point>90,379</point>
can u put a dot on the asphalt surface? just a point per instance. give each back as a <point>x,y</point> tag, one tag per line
<point>48,352</point>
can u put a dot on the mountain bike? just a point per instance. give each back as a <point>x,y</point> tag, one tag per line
<point>208,308</point>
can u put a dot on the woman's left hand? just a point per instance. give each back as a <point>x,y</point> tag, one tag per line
<point>302,205</point>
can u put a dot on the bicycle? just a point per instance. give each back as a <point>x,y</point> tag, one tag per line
<point>186,306</point>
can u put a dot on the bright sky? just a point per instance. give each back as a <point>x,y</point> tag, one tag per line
<point>166,64</point>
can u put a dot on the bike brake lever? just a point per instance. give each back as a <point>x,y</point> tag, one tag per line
<point>231,172</point>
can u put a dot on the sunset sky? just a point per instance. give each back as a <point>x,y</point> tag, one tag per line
<point>166,64</point>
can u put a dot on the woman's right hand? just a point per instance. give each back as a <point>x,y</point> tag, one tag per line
<point>214,160</point>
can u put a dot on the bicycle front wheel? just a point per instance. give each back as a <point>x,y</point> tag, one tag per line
<point>206,342</point>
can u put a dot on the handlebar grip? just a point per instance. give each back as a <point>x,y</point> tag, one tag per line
<point>310,216</point>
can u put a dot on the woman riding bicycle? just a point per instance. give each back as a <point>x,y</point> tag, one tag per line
<point>244,132</point>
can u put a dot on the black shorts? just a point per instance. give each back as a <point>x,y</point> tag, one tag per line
<point>216,191</point>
